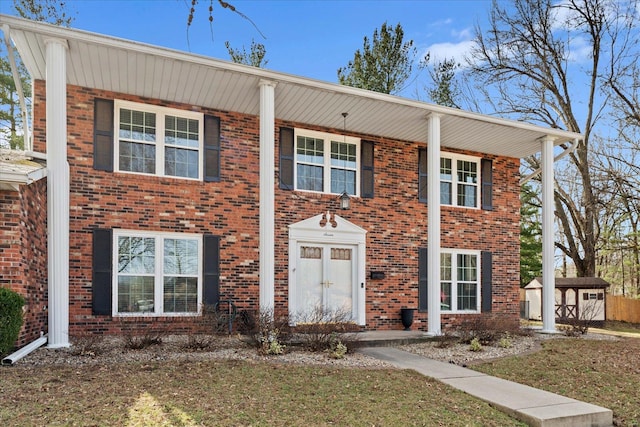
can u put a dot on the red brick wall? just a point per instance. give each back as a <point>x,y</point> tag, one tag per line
<point>395,221</point>
<point>23,253</point>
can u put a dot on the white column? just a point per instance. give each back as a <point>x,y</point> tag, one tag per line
<point>267,195</point>
<point>548,247</point>
<point>57,192</point>
<point>433,224</point>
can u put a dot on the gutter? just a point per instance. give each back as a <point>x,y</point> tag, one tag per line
<point>562,155</point>
<point>18,83</point>
<point>13,358</point>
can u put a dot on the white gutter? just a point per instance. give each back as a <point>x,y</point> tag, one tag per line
<point>49,30</point>
<point>16,80</point>
<point>14,357</point>
<point>564,153</point>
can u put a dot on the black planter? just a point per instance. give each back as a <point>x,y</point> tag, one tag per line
<point>407,317</point>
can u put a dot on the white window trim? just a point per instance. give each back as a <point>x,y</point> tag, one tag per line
<point>160,112</point>
<point>327,138</point>
<point>158,284</point>
<point>454,178</point>
<point>454,279</point>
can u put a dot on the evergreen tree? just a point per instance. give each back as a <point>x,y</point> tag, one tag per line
<point>384,64</point>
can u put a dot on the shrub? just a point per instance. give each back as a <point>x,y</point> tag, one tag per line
<point>196,342</point>
<point>475,345</point>
<point>318,328</point>
<point>86,344</point>
<point>505,341</point>
<point>268,333</point>
<point>141,341</point>
<point>488,328</point>
<point>337,349</point>
<point>11,304</point>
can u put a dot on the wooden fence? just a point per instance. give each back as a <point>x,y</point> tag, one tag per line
<point>623,309</point>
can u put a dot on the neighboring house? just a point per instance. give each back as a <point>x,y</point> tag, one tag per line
<point>191,178</point>
<point>575,298</point>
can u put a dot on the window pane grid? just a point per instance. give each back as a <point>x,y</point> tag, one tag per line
<point>326,165</point>
<point>459,290</point>
<point>142,277</point>
<point>176,152</point>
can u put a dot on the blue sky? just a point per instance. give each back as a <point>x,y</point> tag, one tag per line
<point>308,38</point>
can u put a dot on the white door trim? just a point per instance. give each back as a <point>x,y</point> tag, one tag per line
<point>328,228</point>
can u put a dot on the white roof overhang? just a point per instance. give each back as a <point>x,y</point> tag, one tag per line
<point>17,169</point>
<point>108,63</point>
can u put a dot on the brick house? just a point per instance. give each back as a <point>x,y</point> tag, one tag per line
<point>190,178</point>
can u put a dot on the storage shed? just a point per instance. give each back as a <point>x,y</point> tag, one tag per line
<point>575,298</point>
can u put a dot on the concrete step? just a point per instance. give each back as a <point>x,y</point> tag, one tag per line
<point>530,405</point>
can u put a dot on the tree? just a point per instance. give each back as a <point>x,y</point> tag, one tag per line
<point>224,5</point>
<point>526,62</point>
<point>10,117</point>
<point>445,89</point>
<point>530,235</point>
<point>254,58</point>
<point>51,11</point>
<point>384,64</point>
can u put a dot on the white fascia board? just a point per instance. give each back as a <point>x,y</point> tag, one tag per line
<point>48,30</point>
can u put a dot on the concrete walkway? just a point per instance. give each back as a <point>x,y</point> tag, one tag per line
<point>532,406</point>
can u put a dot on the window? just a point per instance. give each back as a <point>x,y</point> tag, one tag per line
<point>326,163</point>
<point>459,281</point>
<point>159,141</point>
<point>156,274</point>
<point>459,180</point>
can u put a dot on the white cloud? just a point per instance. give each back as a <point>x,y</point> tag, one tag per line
<point>448,50</point>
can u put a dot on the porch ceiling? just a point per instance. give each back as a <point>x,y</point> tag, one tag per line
<point>117,65</point>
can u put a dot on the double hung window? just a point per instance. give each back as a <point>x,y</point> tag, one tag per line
<point>459,281</point>
<point>326,163</point>
<point>459,181</point>
<point>159,141</point>
<point>157,273</point>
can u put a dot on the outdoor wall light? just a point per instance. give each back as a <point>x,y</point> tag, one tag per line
<point>345,201</point>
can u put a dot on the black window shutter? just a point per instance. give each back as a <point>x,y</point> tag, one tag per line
<point>101,289</point>
<point>366,169</point>
<point>287,153</point>
<point>211,269</point>
<point>486,166</point>
<point>211,148</point>
<point>485,281</point>
<point>103,134</point>
<point>422,175</point>
<point>422,279</point>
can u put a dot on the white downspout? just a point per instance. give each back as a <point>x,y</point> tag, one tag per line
<point>267,196</point>
<point>433,225</point>
<point>57,192</point>
<point>548,249</point>
<point>16,79</point>
<point>24,351</point>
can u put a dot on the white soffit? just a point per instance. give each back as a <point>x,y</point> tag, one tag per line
<point>127,67</point>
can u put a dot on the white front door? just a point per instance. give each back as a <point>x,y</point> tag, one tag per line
<point>326,280</point>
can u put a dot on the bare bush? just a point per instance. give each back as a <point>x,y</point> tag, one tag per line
<point>133,341</point>
<point>269,333</point>
<point>86,344</point>
<point>319,329</point>
<point>198,342</point>
<point>488,328</point>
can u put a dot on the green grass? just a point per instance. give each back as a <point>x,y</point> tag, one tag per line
<point>233,394</point>
<point>601,372</point>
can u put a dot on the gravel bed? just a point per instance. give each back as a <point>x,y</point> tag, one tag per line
<point>110,350</point>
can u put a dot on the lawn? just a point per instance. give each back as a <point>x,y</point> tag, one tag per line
<point>257,393</point>
<point>602,372</point>
<point>233,393</point>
